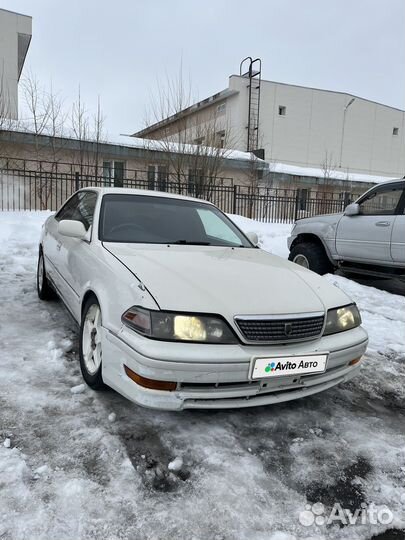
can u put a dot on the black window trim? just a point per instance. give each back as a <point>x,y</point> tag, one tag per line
<point>401,205</point>
<point>87,190</point>
<point>71,197</point>
<point>56,216</point>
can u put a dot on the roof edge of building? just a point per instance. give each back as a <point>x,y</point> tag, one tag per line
<point>326,90</point>
<point>16,13</point>
<point>198,106</point>
<point>234,159</point>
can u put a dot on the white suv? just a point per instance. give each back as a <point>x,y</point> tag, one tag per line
<point>368,238</point>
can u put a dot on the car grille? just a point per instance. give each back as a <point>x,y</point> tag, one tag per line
<point>280,330</point>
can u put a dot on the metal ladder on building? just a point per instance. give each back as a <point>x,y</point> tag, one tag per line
<point>253,74</point>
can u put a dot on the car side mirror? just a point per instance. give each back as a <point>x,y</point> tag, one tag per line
<point>352,210</point>
<point>253,238</point>
<point>72,228</point>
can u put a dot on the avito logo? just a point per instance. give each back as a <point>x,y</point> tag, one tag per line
<point>286,366</point>
<point>270,367</point>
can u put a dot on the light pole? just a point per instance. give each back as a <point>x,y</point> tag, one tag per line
<point>343,130</point>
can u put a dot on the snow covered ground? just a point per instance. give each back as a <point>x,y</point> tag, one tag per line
<point>79,464</point>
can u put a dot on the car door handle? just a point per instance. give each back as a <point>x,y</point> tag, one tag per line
<point>383,224</point>
<point>58,246</point>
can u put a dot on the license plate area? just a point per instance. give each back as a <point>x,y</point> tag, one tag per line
<point>270,367</point>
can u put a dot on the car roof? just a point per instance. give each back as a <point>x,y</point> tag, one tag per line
<point>145,192</point>
<point>393,181</point>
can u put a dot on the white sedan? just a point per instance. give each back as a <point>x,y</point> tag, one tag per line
<point>179,309</point>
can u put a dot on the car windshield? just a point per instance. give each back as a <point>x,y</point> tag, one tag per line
<point>148,219</point>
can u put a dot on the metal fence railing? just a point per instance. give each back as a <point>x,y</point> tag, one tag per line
<point>43,190</point>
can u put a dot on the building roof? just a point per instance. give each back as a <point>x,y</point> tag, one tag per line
<point>192,149</point>
<point>228,93</point>
<point>15,13</point>
<point>125,147</point>
<point>199,106</point>
<point>316,172</point>
<point>348,94</point>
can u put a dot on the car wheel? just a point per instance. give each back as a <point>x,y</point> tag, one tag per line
<point>90,346</point>
<point>311,256</point>
<point>44,288</point>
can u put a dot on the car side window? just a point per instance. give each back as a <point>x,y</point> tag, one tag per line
<point>66,212</point>
<point>84,211</point>
<point>79,208</point>
<point>382,202</point>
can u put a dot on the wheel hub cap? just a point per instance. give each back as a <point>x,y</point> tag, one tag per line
<point>91,340</point>
<point>301,260</point>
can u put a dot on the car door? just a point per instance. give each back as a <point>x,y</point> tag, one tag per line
<point>366,237</point>
<point>72,256</point>
<point>398,234</point>
<point>52,241</point>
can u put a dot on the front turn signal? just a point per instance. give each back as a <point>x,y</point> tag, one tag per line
<point>355,361</point>
<point>152,384</point>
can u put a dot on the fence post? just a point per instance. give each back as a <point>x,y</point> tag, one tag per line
<point>77,180</point>
<point>297,203</point>
<point>235,197</point>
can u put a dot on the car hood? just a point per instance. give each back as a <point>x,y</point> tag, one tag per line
<point>240,281</point>
<point>323,218</point>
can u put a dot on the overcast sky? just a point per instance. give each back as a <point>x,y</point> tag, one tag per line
<point>120,49</point>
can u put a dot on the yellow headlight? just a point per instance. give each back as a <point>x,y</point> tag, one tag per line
<point>189,328</point>
<point>345,317</point>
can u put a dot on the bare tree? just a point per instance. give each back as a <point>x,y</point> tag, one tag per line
<point>327,166</point>
<point>42,117</point>
<point>97,135</point>
<point>80,128</point>
<point>194,147</point>
<point>172,96</point>
<point>89,133</point>
<point>56,125</point>
<point>37,104</point>
<point>45,117</point>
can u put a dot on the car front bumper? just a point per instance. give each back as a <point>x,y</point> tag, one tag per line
<point>217,376</point>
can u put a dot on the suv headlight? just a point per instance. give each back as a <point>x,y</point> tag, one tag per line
<point>168,326</point>
<point>341,319</point>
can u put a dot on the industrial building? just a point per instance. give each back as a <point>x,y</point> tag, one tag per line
<point>339,135</point>
<point>15,38</point>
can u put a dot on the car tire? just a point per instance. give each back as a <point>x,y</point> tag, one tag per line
<point>44,288</point>
<point>311,256</point>
<point>90,344</point>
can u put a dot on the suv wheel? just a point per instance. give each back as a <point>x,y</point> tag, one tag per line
<point>311,256</point>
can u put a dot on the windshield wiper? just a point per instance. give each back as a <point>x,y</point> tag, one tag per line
<point>190,243</point>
